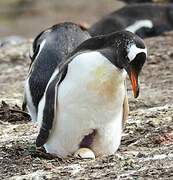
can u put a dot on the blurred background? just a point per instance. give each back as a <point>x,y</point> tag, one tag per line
<point>28,17</point>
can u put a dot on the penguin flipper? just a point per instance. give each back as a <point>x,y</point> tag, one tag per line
<point>50,108</point>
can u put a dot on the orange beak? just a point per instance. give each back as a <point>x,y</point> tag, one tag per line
<point>134,83</point>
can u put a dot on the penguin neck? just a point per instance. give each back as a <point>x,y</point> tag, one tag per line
<point>98,65</point>
<point>111,55</point>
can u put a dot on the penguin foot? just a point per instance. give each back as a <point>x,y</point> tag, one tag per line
<point>84,153</point>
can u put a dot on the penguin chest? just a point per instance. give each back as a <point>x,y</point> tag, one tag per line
<point>93,89</point>
<point>102,83</point>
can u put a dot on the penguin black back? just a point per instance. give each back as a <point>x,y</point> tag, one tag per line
<point>50,48</point>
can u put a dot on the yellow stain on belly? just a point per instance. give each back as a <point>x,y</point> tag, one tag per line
<point>103,83</point>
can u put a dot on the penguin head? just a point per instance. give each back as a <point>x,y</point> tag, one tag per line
<point>131,54</point>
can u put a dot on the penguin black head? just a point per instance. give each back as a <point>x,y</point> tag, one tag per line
<point>130,54</point>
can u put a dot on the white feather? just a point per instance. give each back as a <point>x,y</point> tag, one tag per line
<point>140,24</point>
<point>41,47</point>
<point>30,105</point>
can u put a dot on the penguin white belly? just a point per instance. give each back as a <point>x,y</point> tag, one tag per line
<point>89,98</point>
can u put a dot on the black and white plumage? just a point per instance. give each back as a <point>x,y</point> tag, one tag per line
<point>88,106</point>
<point>145,20</point>
<point>50,47</point>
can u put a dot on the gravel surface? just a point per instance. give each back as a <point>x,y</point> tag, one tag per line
<point>146,150</point>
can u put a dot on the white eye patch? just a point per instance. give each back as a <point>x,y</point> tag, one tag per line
<point>133,51</point>
<point>139,24</point>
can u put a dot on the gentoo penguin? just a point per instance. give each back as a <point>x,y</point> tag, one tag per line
<point>50,47</point>
<point>145,20</point>
<point>86,105</point>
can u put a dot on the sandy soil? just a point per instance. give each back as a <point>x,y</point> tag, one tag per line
<point>146,150</point>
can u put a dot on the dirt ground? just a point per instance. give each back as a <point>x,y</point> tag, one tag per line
<point>146,151</point>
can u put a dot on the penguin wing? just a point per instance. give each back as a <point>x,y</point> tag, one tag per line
<point>49,110</point>
<point>125,107</point>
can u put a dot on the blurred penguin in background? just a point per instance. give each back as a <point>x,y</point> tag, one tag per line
<point>143,19</point>
<point>146,1</point>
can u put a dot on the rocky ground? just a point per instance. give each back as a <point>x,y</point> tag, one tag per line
<point>146,150</point>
